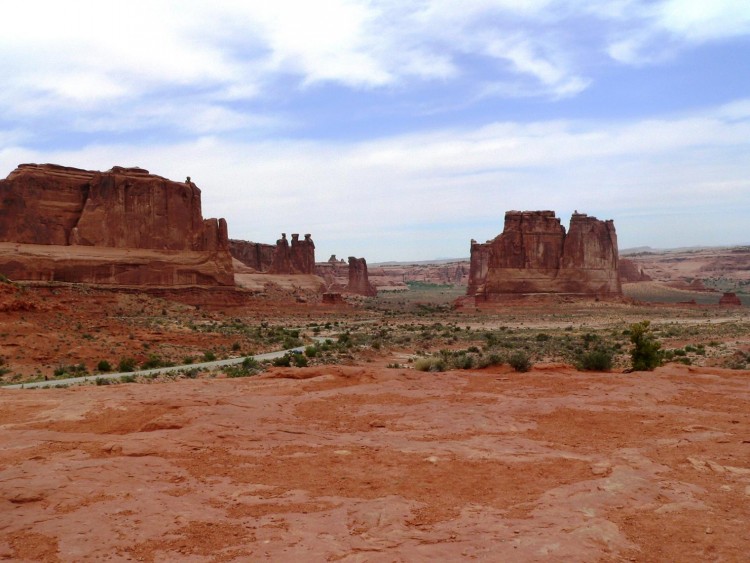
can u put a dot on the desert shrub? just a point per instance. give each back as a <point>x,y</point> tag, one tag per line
<point>520,361</point>
<point>282,361</point>
<point>249,366</point>
<point>152,362</point>
<point>300,360</point>
<point>104,366</point>
<point>209,356</point>
<point>126,364</point>
<point>70,371</point>
<point>462,361</point>
<point>598,359</point>
<point>127,379</point>
<point>236,347</point>
<point>646,352</point>
<point>490,360</point>
<point>429,364</point>
<point>103,381</point>
<point>311,351</point>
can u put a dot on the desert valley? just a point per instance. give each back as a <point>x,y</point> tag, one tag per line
<point>171,394</point>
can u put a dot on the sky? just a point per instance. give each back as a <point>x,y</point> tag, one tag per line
<point>398,129</point>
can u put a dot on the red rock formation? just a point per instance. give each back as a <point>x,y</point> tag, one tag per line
<point>358,281</point>
<point>303,255</point>
<point>535,255</point>
<point>631,272</point>
<point>255,255</point>
<point>730,300</point>
<point>123,226</point>
<point>281,258</point>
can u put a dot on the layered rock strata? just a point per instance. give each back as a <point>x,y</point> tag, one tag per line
<point>351,277</point>
<point>535,255</point>
<point>283,258</point>
<point>358,279</point>
<point>124,226</point>
<point>730,300</point>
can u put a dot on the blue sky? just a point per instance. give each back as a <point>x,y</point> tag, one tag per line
<point>398,129</point>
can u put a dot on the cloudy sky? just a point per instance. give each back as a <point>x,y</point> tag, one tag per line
<point>398,129</point>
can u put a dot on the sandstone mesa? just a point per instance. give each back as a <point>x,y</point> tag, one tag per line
<point>119,227</point>
<point>535,255</point>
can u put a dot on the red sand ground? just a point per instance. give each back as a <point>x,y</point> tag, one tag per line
<point>376,464</point>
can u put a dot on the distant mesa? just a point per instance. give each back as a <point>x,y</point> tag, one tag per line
<point>348,277</point>
<point>534,255</point>
<point>124,226</point>
<point>730,300</point>
<point>631,272</point>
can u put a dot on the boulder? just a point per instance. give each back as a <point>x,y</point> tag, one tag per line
<point>535,255</point>
<point>123,226</point>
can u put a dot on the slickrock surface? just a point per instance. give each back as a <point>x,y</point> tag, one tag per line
<point>376,464</point>
<point>124,226</point>
<point>534,254</point>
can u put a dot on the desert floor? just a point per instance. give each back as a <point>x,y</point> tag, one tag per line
<point>361,457</point>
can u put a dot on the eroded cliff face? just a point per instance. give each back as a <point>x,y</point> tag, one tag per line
<point>534,255</point>
<point>123,226</point>
<point>358,280</point>
<point>283,258</point>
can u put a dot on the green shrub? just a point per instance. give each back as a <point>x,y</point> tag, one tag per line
<point>463,361</point>
<point>311,351</point>
<point>209,356</point>
<point>300,360</point>
<point>283,361</point>
<point>598,359</point>
<point>429,364</point>
<point>126,364</point>
<point>152,362</point>
<point>520,361</point>
<point>249,366</point>
<point>646,353</point>
<point>104,366</point>
<point>490,360</point>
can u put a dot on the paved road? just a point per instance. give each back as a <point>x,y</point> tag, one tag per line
<point>200,366</point>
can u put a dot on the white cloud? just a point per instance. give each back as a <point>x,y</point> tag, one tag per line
<point>382,198</point>
<point>656,31</point>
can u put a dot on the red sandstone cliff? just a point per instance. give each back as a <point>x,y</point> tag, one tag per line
<point>281,258</point>
<point>631,272</point>
<point>358,280</point>
<point>123,226</point>
<point>351,278</point>
<point>534,255</point>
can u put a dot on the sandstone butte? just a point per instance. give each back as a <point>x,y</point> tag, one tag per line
<point>120,227</point>
<point>349,277</point>
<point>535,255</point>
<point>281,258</point>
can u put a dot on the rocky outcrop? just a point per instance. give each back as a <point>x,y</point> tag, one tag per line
<point>535,255</point>
<point>123,226</point>
<point>631,272</point>
<point>297,258</point>
<point>255,255</point>
<point>351,277</point>
<point>730,300</point>
<point>358,280</point>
